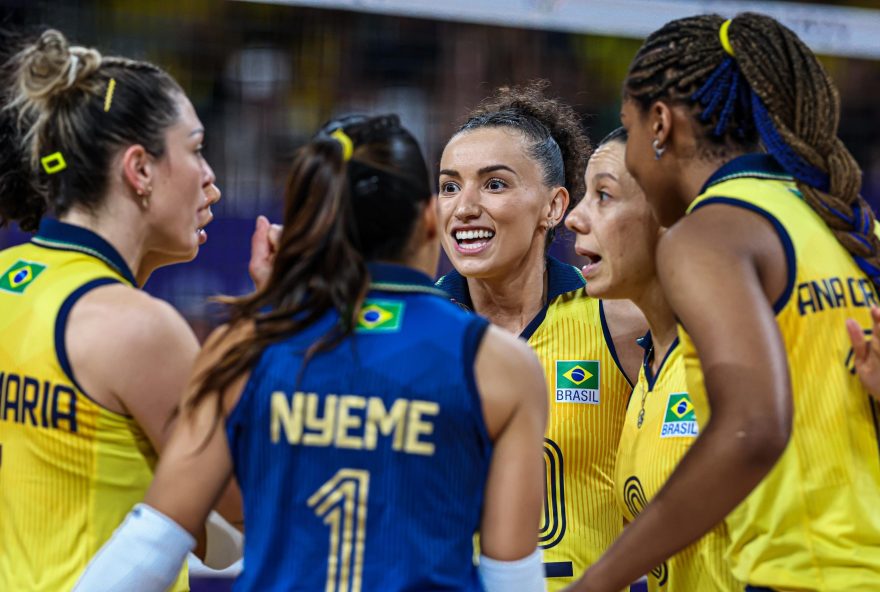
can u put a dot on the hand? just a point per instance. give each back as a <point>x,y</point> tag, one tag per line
<point>866,352</point>
<point>264,245</point>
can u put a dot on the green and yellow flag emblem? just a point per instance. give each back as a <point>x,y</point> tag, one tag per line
<point>18,277</point>
<point>380,316</point>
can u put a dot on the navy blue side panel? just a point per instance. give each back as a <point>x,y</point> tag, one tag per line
<point>610,343</point>
<point>784,238</point>
<point>61,329</point>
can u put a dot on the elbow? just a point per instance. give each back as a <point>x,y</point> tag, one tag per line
<point>761,442</point>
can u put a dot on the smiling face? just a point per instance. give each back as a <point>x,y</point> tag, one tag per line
<point>183,191</point>
<point>494,209</point>
<point>616,230</point>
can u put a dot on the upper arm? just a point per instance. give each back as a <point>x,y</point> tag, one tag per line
<point>720,269</point>
<point>514,398</point>
<point>133,354</point>
<point>197,464</point>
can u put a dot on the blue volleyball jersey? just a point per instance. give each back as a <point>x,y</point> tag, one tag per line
<point>367,474</point>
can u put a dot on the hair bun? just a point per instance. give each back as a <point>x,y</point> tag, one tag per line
<point>51,67</point>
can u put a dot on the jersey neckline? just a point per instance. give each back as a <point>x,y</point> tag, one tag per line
<point>755,164</point>
<point>54,234</point>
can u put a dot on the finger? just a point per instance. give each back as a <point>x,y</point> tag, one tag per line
<point>275,235</point>
<point>875,316</point>
<point>259,240</point>
<point>857,338</point>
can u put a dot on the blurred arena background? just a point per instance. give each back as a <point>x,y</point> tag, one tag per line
<point>264,75</point>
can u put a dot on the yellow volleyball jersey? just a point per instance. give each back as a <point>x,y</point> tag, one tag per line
<point>70,469</point>
<point>659,428</point>
<point>814,522</point>
<point>587,392</point>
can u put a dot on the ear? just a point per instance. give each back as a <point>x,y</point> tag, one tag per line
<point>137,169</point>
<point>661,121</point>
<point>558,206</point>
<point>429,219</point>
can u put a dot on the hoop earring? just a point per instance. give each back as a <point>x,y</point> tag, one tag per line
<point>658,149</point>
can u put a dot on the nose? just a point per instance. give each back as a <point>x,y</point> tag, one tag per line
<point>213,193</point>
<point>468,204</point>
<point>578,220</point>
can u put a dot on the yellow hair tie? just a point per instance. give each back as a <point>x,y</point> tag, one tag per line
<point>53,163</point>
<point>108,98</point>
<point>347,145</point>
<point>725,40</point>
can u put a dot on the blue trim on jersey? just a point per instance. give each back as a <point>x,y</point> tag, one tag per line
<point>647,343</point>
<point>562,278</point>
<point>398,274</point>
<point>61,236</point>
<point>762,166</point>
<point>787,245</point>
<point>610,343</point>
<point>61,330</point>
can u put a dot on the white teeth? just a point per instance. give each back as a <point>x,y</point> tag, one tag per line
<point>472,234</point>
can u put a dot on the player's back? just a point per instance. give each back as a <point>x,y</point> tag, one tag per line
<point>71,468</point>
<point>367,472</point>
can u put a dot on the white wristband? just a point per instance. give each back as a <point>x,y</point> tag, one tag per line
<point>522,575</point>
<point>224,544</point>
<point>145,554</point>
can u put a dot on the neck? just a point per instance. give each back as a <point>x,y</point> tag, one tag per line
<point>697,171</point>
<point>661,319</point>
<point>512,300</point>
<point>122,232</point>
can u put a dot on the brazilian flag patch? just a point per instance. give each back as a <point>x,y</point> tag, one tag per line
<point>577,381</point>
<point>680,420</point>
<point>380,316</point>
<point>17,278</point>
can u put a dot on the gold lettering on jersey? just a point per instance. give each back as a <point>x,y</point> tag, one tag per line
<point>418,426</point>
<point>352,421</point>
<point>830,293</point>
<point>386,422</point>
<point>29,401</point>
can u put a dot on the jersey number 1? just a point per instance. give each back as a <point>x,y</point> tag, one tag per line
<point>342,502</point>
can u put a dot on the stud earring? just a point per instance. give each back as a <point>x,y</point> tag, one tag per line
<point>658,149</point>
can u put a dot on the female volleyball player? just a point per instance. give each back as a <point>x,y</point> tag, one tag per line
<point>373,425</point>
<point>90,366</point>
<point>767,255</point>
<point>507,178</point>
<point>618,234</point>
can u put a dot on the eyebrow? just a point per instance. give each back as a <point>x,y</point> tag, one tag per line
<point>605,176</point>
<point>483,171</point>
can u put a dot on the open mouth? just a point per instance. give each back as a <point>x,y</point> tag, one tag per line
<point>472,240</point>
<point>200,231</point>
<point>593,261</point>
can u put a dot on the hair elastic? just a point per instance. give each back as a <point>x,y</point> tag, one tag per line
<point>108,98</point>
<point>347,145</point>
<point>53,163</point>
<point>725,40</point>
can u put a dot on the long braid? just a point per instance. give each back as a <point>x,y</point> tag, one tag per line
<point>773,89</point>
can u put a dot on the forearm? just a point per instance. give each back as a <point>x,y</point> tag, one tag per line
<point>718,472</point>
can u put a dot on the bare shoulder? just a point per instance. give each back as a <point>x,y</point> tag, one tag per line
<point>509,378</point>
<point>125,345</point>
<point>125,315</point>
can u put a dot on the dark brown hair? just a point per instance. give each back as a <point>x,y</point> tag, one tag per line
<point>558,141</point>
<point>338,216</point>
<point>55,102</point>
<point>775,90</point>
